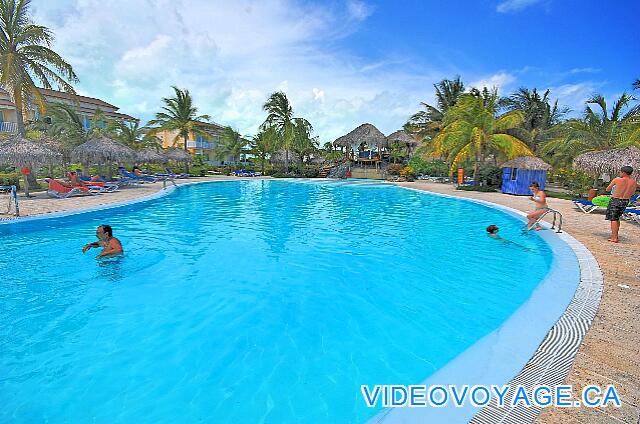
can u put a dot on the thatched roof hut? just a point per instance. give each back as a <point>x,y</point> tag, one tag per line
<point>608,161</point>
<point>401,137</point>
<point>365,133</point>
<point>149,155</point>
<point>178,155</point>
<point>527,162</point>
<point>19,151</point>
<point>103,149</point>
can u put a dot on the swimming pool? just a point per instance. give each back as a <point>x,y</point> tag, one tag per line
<point>251,301</point>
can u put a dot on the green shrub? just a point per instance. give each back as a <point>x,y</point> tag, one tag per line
<point>394,168</point>
<point>490,175</point>
<point>434,167</point>
<point>10,178</point>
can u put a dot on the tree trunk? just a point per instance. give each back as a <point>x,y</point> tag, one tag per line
<point>263,161</point>
<point>186,163</point>
<point>29,180</point>
<point>25,181</point>
<point>476,169</point>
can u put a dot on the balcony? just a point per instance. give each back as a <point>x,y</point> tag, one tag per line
<point>200,145</point>
<point>10,127</point>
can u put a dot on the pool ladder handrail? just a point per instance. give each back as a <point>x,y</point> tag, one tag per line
<point>13,195</point>
<point>556,215</point>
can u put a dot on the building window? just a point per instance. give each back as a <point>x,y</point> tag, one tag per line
<point>514,174</point>
<point>86,122</point>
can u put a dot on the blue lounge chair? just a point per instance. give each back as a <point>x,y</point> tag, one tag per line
<point>131,176</point>
<point>170,174</point>
<point>585,205</point>
<point>632,214</point>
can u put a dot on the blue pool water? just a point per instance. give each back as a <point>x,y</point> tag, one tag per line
<point>250,302</point>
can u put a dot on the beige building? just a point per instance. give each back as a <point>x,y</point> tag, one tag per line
<point>197,144</point>
<point>84,106</point>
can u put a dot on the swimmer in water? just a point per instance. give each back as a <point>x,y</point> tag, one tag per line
<point>111,246</point>
<point>540,199</point>
<point>492,231</point>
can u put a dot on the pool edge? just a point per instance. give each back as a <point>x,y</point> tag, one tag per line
<point>553,358</point>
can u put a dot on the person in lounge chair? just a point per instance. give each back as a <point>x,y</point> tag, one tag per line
<point>111,246</point>
<point>622,188</point>
<point>540,199</point>
<point>137,171</point>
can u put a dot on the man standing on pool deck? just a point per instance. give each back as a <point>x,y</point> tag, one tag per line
<point>111,246</point>
<point>622,188</point>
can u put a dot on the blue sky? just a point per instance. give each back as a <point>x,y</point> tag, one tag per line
<point>341,63</point>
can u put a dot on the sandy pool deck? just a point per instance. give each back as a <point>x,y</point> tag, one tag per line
<point>609,354</point>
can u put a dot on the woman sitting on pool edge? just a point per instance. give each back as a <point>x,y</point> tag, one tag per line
<point>111,246</point>
<point>540,199</point>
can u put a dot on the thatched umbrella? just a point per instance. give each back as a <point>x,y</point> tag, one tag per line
<point>149,155</point>
<point>365,133</point>
<point>401,137</point>
<point>527,162</point>
<point>21,152</point>
<point>179,155</point>
<point>608,161</point>
<point>103,150</point>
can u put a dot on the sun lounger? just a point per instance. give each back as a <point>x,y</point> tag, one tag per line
<point>61,190</point>
<point>131,176</point>
<point>585,205</point>
<point>632,214</point>
<point>244,173</point>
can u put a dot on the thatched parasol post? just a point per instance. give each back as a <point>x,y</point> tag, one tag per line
<point>21,152</point>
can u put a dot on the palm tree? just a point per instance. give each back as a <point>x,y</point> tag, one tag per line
<point>539,114</point>
<point>303,143</point>
<point>25,55</point>
<point>425,124</point>
<point>636,84</point>
<point>264,144</point>
<point>472,130</point>
<point>181,116</point>
<point>598,130</point>
<point>280,117</point>
<point>231,144</point>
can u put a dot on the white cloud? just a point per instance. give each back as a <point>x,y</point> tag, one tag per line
<point>574,96</point>
<point>358,10</point>
<point>501,80</point>
<point>515,5</point>
<point>232,55</point>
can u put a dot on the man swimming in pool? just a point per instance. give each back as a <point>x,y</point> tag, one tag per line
<point>111,246</point>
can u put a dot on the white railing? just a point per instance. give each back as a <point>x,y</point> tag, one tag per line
<point>10,127</point>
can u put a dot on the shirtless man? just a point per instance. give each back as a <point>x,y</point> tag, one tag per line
<point>540,199</point>
<point>625,186</point>
<point>111,246</point>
